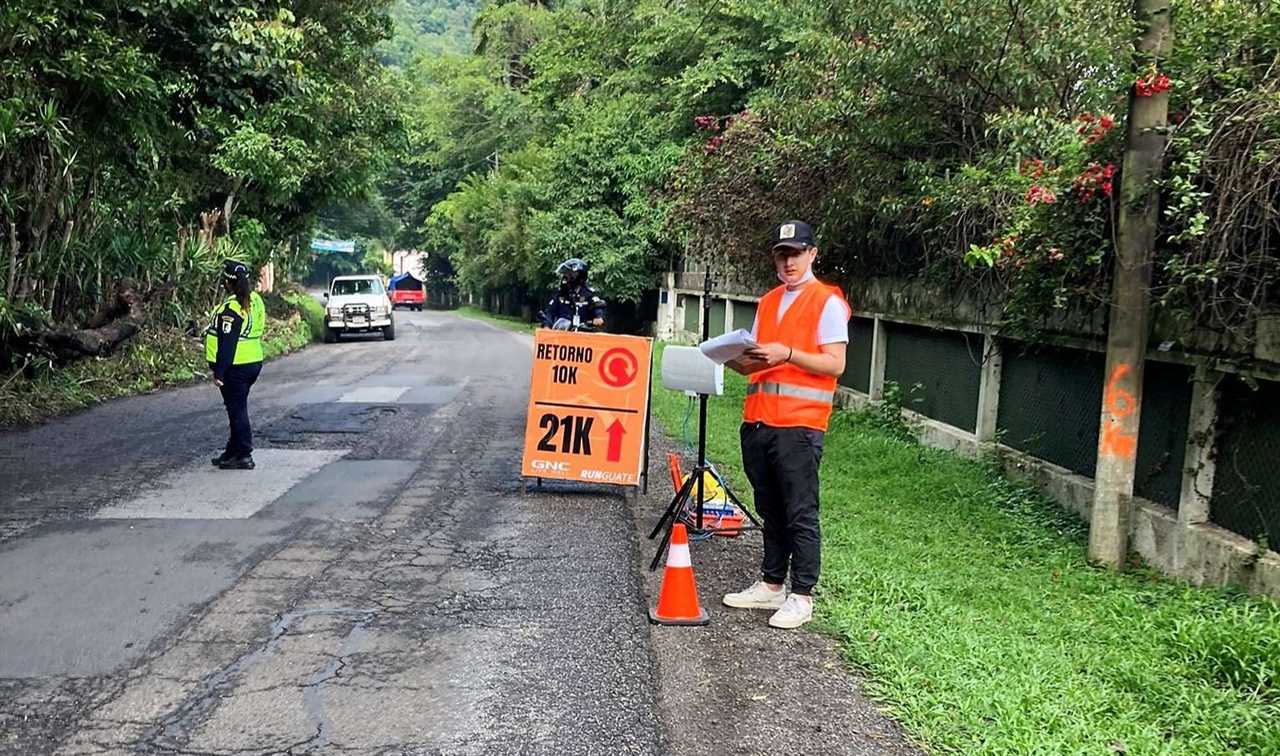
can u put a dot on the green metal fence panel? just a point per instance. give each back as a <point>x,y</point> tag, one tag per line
<point>744,314</point>
<point>1246,482</point>
<point>716,326</point>
<point>1162,433</point>
<point>692,306</point>
<point>1050,404</point>
<point>857,364</point>
<point>938,372</point>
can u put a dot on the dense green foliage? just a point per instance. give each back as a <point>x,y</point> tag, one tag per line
<point>429,27</point>
<point>966,141</point>
<point>961,140</point>
<point>558,137</point>
<point>970,603</point>
<point>132,136</point>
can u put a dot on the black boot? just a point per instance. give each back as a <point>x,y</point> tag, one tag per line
<point>218,460</point>
<point>237,463</point>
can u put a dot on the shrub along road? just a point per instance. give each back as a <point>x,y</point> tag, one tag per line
<point>379,584</point>
<point>159,356</point>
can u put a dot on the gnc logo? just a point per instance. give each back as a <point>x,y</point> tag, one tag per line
<point>542,464</point>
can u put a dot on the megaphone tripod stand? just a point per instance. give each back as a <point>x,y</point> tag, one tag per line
<point>680,502</point>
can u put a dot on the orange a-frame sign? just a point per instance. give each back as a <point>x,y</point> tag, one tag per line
<point>588,407</point>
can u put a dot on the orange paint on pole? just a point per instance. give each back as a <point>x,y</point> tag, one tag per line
<point>588,400</point>
<point>1118,404</point>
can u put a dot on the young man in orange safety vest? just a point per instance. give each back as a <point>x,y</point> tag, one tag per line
<point>801,331</point>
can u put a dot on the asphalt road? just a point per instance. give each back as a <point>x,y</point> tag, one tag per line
<point>380,584</point>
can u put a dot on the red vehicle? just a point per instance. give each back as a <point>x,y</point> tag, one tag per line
<point>407,291</point>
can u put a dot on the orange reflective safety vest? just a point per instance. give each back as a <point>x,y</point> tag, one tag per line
<point>786,396</point>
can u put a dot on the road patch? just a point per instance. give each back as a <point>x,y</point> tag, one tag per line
<point>374,394</point>
<point>347,490</point>
<point>202,492</point>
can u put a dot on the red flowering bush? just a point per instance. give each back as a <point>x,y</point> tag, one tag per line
<point>1032,168</point>
<point>1051,237</point>
<point>707,123</point>
<point>1095,179</point>
<point>1094,128</point>
<point>1152,84</point>
<point>1038,195</point>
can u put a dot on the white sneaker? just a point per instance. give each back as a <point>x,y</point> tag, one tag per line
<point>758,596</point>
<point>795,612</point>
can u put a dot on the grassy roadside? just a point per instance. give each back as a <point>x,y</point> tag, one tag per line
<point>969,602</point>
<point>155,358</point>
<point>505,321</point>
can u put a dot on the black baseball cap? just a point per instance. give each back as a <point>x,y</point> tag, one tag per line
<point>793,233</point>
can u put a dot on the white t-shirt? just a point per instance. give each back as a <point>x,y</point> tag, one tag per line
<point>833,326</point>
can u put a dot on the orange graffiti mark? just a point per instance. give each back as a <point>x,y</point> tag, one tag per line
<point>1118,403</point>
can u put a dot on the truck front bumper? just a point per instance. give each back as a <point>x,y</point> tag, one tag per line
<point>348,325</point>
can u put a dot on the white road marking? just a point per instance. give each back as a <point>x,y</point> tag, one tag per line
<point>200,491</point>
<point>374,394</point>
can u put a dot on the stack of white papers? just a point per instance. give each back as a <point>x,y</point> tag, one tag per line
<point>728,347</point>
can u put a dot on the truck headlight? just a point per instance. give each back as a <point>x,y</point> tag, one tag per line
<point>335,312</point>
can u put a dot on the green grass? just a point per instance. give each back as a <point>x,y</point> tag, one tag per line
<point>506,321</point>
<point>155,358</point>
<point>968,601</point>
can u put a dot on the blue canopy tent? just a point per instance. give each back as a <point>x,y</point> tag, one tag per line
<point>406,280</point>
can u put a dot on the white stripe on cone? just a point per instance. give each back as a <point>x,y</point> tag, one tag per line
<point>678,555</point>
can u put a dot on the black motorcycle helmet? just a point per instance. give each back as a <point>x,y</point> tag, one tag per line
<point>572,272</point>
<point>234,269</point>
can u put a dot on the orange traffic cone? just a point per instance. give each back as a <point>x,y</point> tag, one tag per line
<point>678,598</point>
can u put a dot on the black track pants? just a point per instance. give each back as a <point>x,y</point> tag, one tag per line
<point>782,465</point>
<point>235,396</point>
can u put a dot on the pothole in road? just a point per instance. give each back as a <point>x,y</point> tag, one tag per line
<point>329,418</point>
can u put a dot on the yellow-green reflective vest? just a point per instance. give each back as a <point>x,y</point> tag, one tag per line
<point>249,345</point>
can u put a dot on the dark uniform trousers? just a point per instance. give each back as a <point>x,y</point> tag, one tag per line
<point>235,396</point>
<point>782,465</point>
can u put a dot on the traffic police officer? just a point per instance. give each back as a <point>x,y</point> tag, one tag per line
<point>233,348</point>
<point>801,331</point>
<point>576,304</point>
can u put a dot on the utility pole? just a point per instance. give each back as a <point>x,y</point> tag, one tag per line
<point>1129,322</point>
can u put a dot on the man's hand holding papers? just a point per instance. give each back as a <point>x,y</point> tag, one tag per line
<point>736,349</point>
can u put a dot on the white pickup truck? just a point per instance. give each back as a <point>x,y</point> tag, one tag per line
<point>357,304</point>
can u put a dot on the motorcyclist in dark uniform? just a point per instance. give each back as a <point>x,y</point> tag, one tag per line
<point>576,305</point>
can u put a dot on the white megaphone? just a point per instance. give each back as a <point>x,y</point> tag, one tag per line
<point>687,369</point>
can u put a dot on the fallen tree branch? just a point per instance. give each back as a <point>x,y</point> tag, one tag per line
<point>111,327</point>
